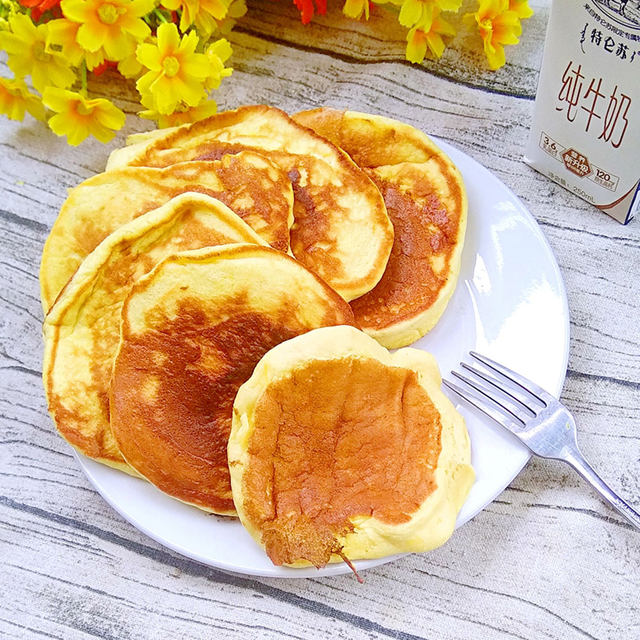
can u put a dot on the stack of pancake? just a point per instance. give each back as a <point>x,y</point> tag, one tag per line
<point>208,299</point>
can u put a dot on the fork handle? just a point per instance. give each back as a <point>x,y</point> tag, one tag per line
<point>577,461</point>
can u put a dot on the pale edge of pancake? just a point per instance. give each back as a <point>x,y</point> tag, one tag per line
<point>433,523</point>
<point>80,284</point>
<point>423,146</point>
<point>418,137</point>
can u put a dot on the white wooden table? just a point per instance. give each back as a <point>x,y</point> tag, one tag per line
<point>546,560</point>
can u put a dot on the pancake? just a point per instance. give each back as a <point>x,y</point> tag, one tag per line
<point>248,183</point>
<point>192,332</point>
<point>340,450</point>
<point>341,230</point>
<point>426,201</point>
<point>82,330</point>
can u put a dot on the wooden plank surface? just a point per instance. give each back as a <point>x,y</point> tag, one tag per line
<point>546,560</point>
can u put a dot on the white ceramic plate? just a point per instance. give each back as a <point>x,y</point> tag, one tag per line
<point>509,304</point>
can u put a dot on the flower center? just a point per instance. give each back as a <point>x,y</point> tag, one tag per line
<point>108,13</point>
<point>39,52</point>
<point>83,110</point>
<point>486,24</point>
<point>170,66</point>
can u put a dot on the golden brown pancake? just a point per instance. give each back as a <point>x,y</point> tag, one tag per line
<point>82,330</point>
<point>192,332</point>
<point>248,183</point>
<point>341,230</point>
<point>427,204</point>
<point>341,450</point>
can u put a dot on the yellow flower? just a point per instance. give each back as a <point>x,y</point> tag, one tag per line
<point>497,26</point>
<point>63,34</point>
<point>203,13</point>
<point>428,34</point>
<point>78,117</point>
<point>356,9</point>
<point>8,8</point>
<point>521,7</point>
<point>217,54</point>
<point>113,25</point>
<point>176,73</point>
<point>182,115</point>
<point>236,10</point>
<point>26,45</point>
<point>415,12</point>
<point>130,67</point>
<point>15,99</point>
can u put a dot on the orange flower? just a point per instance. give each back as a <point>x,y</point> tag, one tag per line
<point>307,8</point>
<point>498,25</point>
<point>428,34</point>
<point>38,7</point>
<point>77,117</point>
<point>15,99</point>
<point>116,26</point>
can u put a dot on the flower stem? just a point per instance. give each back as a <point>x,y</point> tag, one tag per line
<point>159,15</point>
<point>83,78</point>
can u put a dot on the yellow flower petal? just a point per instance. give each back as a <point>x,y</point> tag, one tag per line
<point>92,35</point>
<point>495,56</point>
<point>220,48</point>
<point>521,8</point>
<point>149,55</point>
<point>436,44</point>
<point>356,9</point>
<point>168,38</point>
<point>416,46</point>
<point>410,12</point>
<point>130,67</point>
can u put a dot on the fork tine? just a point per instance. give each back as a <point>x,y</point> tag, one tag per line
<point>521,381</point>
<point>480,403</point>
<point>515,394</point>
<point>504,404</point>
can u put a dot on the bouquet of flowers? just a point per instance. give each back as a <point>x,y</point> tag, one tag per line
<point>176,52</point>
<point>168,48</point>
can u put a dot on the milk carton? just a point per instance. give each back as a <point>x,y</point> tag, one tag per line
<point>586,128</point>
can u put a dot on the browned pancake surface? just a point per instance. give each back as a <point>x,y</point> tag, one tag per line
<point>426,232</point>
<point>248,183</point>
<point>425,200</point>
<point>332,441</point>
<point>341,230</point>
<point>82,330</point>
<point>192,333</point>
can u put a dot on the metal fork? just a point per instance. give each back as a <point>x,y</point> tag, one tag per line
<point>540,421</point>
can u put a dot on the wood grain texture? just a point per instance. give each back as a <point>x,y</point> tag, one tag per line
<point>547,559</point>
